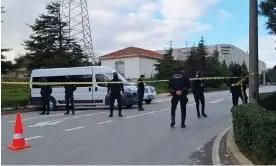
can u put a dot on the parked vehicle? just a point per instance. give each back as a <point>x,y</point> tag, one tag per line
<point>150,92</point>
<point>85,94</point>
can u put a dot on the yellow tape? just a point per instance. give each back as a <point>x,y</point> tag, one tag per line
<point>89,83</point>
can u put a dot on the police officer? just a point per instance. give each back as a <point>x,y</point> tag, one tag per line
<point>235,89</point>
<point>69,96</point>
<point>179,84</point>
<point>245,82</point>
<point>198,92</point>
<point>115,91</point>
<point>45,92</point>
<point>140,91</point>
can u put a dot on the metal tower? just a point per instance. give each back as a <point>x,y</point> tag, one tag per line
<point>75,14</point>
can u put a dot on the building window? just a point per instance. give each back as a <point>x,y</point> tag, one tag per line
<point>120,67</point>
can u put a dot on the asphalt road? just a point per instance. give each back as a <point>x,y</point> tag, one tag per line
<point>91,137</point>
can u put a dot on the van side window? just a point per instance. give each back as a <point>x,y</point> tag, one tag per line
<point>102,78</point>
<point>73,78</point>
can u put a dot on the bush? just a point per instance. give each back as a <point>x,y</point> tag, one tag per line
<point>255,131</point>
<point>267,100</point>
<point>15,96</point>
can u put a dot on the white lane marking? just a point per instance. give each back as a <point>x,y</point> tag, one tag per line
<point>74,128</point>
<point>109,121</point>
<point>33,137</point>
<point>215,148</point>
<point>42,116</point>
<point>216,101</point>
<point>73,117</point>
<point>49,123</point>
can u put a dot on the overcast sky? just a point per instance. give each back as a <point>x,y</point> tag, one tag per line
<point>116,24</point>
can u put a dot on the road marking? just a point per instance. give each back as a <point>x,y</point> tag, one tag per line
<point>159,101</point>
<point>216,101</point>
<point>33,137</point>
<point>109,121</point>
<point>73,117</point>
<point>74,128</point>
<point>42,116</point>
<point>215,148</point>
<point>47,123</point>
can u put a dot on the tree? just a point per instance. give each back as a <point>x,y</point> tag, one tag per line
<point>164,66</point>
<point>235,69</point>
<point>191,62</point>
<point>274,67</point>
<point>6,66</point>
<point>267,9</point>
<point>224,68</point>
<point>49,45</point>
<point>244,69</point>
<point>202,52</point>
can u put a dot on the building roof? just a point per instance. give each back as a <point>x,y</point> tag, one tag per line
<point>130,52</point>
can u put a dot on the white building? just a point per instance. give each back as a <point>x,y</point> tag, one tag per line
<point>229,53</point>
<point>132,62</point>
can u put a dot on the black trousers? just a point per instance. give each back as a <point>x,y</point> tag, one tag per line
<point>183,103</point>
<point>235,97</point>
<point>119,101</point>
<point>69,100</point>
<point>140,99</point>
<point>45,104</point>
<point>199,98</point>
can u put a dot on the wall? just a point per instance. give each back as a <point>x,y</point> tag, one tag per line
<point>147,67</point>
<point>131,66</point>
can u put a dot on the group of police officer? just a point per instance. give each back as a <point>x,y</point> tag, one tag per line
<point>179,85</point>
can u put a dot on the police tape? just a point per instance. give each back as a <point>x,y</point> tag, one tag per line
<point>90,83</point>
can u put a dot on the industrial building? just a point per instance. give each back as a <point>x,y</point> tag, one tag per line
<point>228,53</point>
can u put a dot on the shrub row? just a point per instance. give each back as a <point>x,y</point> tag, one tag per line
<point>267,100</point>
<point>255,130</point>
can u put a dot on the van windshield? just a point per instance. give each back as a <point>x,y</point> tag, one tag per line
<point>119,75</point>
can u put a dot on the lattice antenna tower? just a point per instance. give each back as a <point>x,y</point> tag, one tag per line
<point>75,14</point>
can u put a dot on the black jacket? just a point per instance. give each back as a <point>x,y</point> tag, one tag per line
<point>179,82</point>
<point>69,90</point>
<point>233,81</point>
<point>141,86</point>
<point>115,89</point>
<point>46,91</point>
<point>197,86</point>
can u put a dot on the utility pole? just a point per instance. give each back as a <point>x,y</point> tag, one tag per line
<point>253,52</point>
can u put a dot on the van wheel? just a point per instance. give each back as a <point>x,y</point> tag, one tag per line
<point>148,101</point>
<point>53,103</point>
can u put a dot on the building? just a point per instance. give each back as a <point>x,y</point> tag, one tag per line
<point>228,53</point>
<point>132,62</point>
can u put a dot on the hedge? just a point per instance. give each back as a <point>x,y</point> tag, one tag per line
<point>255,130</point>
<point>267,100</point>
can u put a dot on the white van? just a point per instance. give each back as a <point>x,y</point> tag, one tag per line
<point>85,94</point>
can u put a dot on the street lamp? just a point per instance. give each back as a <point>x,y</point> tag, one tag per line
<point>253,52</point>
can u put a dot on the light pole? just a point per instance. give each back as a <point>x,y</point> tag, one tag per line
<point>253,52</point>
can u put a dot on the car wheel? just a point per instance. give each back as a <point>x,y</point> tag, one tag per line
<point>148,101</point>
<point>52,104</point>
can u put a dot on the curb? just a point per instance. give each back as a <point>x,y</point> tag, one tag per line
<point>236,157</point>
<point>8,112</point>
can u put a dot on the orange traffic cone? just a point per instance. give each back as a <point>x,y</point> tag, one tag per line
<point>18,141</point>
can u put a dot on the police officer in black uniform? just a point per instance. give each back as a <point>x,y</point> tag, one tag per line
<point>198,92</point>
<point>115,91</point>
<point>69,96</point>
<point>235,89</point>
<point>140,91</point>
<point>245,82</point>
<point>179,84</point>
<point>45,92</point>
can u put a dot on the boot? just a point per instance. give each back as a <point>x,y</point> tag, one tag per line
<point>198,114</point>
<point>142,109</point>
<point>73,112</point>
<point>203,114</point>
<point>183,124</point>
<point>173,122</point>
<point>111,114</point>
<point>120,115</point>
<point>47,113</point>
<point>66,113</point>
